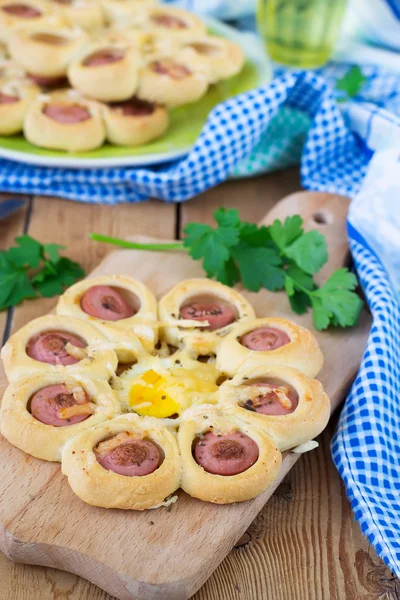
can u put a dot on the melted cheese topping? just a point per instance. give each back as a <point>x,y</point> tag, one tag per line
<point>162,387</point>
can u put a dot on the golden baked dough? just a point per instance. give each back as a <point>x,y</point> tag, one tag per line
<point>101,487</point>
<point>25,13</point>
<point>142,325</point>
<point>83,13</point>
<point>172,81</point>
<point>190,334</point>
<point>151,44</point>
<point>47,52</point>
<point>16,96</point>
<point>106,71</point>
<point>301,351</point>
<point>44,441</point>
<point>134,122</point>
<point>9,69</point>
<point>218,57</point>
<point>96,362</point>
<point>122,10</point>
<point>169,21</point>
<point>225,489</point>
<point>308,419</point>
<point>64,121</point>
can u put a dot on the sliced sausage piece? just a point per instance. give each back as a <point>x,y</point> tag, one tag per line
<point>270,403</point>
<point>49,347</point>
<point>67,113</point>
<point>104,57</point>
<point>106,303</point>
<point>218,315</point>
<point>265,338</point>
<point>227,454</point>
<point>46,404</point>
<point>134,107</point>
<point>168,21</point>
<point>132,459</point>
<point>7,99</point>
<point>170,68</point>
<point>21,10</point>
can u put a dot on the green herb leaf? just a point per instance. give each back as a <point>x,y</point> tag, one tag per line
<point>27,253</point>
<point>211,245</point>
<point>340,305</point>
<point>309,252</point>
<point>53,251</point>
<point>284,234</point>
<point>67,272</point>
<point>258,268</point>
<point>351,83</point>
<point>31,269</point>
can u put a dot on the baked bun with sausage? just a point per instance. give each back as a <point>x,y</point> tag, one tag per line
<point>134,122</point>
<point>46,53</point>
<point>64,121</point>
<point>270,341</point>
<point>218,57</point>
<point>58,345</point>
<point>168,21</point>
<point>196,314</point>
<point>27,14</point>
<point>225,459</point>
<point>124,10</point>
<point>286,404</point>
<point>106,71</point>
<point>172,81</point>
<point>82,13</point>
<point>129,462</point>
<point>41,412</point>
<point>16,96</point>
<point>120,307</point>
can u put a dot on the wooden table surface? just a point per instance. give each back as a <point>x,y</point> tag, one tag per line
<point>305,544</point>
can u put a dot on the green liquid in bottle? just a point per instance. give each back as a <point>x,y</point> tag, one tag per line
<point>300,33</point>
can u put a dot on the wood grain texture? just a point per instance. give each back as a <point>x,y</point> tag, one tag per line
<point>10,227</point>
<point>161,554</point>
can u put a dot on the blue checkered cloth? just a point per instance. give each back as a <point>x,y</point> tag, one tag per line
<point>333,157</point>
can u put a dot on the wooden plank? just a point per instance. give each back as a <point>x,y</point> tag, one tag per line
<point>307,529</point>
<point>168,557</point>
<point>69,223</point>
<point>10,227</point>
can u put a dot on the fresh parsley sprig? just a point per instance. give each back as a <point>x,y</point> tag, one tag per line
<point>31,269</point>
<point>281,256</point>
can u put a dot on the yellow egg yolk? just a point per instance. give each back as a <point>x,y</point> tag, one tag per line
<point>163,395</point>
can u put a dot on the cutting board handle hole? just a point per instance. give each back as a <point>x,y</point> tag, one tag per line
<point>322,218</point>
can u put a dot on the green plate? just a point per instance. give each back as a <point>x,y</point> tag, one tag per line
<point>186,122</point>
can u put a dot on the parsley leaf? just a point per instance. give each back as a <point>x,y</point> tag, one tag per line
<point>258,268</point>
<point>31,269</point>
<point>284,234</point>
<point>309,252</point>
<point>28,252</point>
<point>335,302</point>
<point>351,83</point>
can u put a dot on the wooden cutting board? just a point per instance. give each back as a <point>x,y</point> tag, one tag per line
<point>164,554</point>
